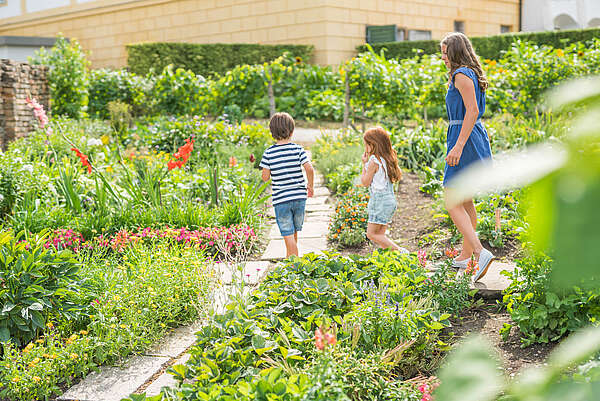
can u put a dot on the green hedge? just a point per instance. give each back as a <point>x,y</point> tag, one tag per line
<point>207,60</point>
<point>488,47</point>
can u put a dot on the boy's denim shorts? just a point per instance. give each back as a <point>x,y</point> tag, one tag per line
<point>290,216</point>
<point>381,207</point>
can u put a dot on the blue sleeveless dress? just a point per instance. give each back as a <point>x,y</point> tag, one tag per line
<point>478,144</point>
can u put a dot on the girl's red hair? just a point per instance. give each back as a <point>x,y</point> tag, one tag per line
<point>381,146</point>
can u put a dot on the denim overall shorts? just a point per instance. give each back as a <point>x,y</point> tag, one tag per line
<point>382,205</point>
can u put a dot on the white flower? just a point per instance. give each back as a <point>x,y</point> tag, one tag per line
<point>94,142</point>
<point>1,198</point>
<point>28,168</point>
<point>18,160</point>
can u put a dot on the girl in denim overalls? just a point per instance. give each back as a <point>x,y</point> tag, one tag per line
<point>380,171</point>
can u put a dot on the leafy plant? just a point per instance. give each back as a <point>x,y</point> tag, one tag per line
<point>68,76</point>
<point>35,284</point>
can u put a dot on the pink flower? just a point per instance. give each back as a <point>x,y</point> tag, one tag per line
<point>319,339</point>
<point>422,256</point>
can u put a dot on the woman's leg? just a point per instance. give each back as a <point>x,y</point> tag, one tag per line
<point>462,220</point>
<point>467,250</point>
<point>376,233</point>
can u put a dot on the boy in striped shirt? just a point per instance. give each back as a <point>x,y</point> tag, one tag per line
<point>283,163</point>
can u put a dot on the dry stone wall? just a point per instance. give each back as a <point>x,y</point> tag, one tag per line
<point>17,82</point>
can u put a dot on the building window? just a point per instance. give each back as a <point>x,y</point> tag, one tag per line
<point>459,26</point>
<point>414,34</point>
<point>505,28</point>
<point>3,2</point>
<point>381,33</point>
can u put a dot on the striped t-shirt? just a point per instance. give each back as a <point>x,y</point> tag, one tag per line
<point>285,162</point>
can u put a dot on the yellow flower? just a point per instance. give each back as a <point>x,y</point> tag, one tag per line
<point>73,356</point>
<point>83,332</point>
<point>16,379</point>
<point>28,348</point>
<point>39,341</point>
<point>46,356</point>
<point>560,52</point>
<point>71,339</point>
<point>36,379</point>
<point>105,139</point>
<point>109,169</point>
<point>122,326</point>
<point>113,326</point>
<point>49,325</point>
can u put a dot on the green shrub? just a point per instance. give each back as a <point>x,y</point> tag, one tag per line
<point>542,312</point>
<point>8,191</point>
<point>119,85</point>
<point>68,77</point>
<point>179,92</point>
<point>36,283</point>
<point>488,47</point>
<point>208,60</point>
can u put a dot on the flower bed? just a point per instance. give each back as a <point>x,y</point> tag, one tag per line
<point>215,241</point>
<point>325,328</point>
<point>101,307</point>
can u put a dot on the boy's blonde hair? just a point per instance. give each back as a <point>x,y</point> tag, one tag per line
<point>281,126</point>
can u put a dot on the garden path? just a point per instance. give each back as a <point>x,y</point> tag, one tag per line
<point>146,373</point>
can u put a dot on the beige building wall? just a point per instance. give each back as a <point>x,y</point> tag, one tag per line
<point>334,27</point>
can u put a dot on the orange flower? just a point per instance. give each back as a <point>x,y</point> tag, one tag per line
<point>232,161</point>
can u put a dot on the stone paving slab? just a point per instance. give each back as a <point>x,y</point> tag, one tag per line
<point>316,200</point>
<point>166,379</point>
<point>493,283</point>
<point>276,248</point>
<point>310,229</point>
<point>321,191</point>
<point>113,383</point>
<point>324,207</point>
<point>177,341</point>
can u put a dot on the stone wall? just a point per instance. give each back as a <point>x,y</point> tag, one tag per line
<point>17,81</point>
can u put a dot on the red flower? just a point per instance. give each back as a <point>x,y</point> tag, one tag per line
<point>252,158</point>
<point>183,154</point>
<point>84,159</point>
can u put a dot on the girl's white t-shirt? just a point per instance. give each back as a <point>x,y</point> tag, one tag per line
<point>380,179</point>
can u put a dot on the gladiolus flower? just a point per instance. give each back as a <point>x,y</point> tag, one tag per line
<point>319,339</point>
<point>84,159</point>
<point>183,154</point>
<point>252,158</point>
<point>232,161</point>
<point>331,340</point>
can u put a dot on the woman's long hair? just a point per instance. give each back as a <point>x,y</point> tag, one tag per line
<point>460,53</point>
<point>381,146</point>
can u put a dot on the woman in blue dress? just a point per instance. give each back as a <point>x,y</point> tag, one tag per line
<point>467,140</point>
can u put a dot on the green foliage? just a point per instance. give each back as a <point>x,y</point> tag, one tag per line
<point>541,312</point>
<point>35,284</point>
<point>263,346</point>
<point>131,300</point>
<point>178,92</point>
<point>208,60</point>
<point>68,77</point>
<point>8,190</point>
<point>489,47</point>
<point>117,85</point>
